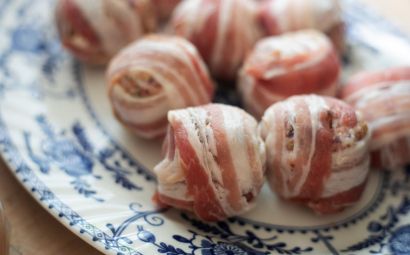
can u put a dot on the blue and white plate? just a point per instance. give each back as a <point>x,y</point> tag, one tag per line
<point>61,141</point>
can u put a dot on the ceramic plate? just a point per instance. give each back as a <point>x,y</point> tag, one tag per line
<point>61,141</point>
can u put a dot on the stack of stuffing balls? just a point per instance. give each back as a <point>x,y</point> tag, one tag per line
<point>313,138</point>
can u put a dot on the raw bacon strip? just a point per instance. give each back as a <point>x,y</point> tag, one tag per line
<point>214,162</point>
<point>296,63</point>
<point>152,76</point>
<point>222,30</point>
<point>282,16</point>
<point>384,99</point>
<point>164,8</point>
<point>317,152</point>
<point>94,31</point>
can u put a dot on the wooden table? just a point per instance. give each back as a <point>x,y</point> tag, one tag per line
<point>32,228</point>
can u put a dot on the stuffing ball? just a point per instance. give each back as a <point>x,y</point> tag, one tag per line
<point>152,76</point>
<point>214,163</point>
<point>222,30</point>
<point>302,62</point>
<point>317,152</point>
<point>94,31</point>
<point>384,99</point>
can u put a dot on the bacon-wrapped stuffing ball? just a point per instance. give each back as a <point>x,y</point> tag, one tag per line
<point>94,31</point>
<point>222,30</point>
<point>281,66</point>
<point>317,152</point>
<point>384,99</point>
<point>152,76</point>
<point>281,16</point>
<point>214,164</point>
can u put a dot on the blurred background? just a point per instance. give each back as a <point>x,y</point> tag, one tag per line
<point>397,11</point>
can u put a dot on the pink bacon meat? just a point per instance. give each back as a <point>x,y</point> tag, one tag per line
<point>214,164</point>
<point>152,76</point>
<point>296,63</point>
<point>384,99</point>
<point>164,8</point>
<point>222,30</point>
<point>317,152</point>
<point>94,31</point>
<point>282,16</point>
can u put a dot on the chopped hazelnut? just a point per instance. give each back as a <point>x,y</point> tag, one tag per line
<point>361,132</point>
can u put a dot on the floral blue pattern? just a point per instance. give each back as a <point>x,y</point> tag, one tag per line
<point>380,229</point>
<point>31,41</point>
<point>400,241</point>
<point>248,242</point>
<point>76,158</point>
<point>139,219</point>
<point>70,151</point>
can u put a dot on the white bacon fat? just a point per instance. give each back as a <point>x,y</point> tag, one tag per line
<point>384,99</point>
<point>317,152</point>
<point>94,31</point>
<point>303,62</point>
<point>152,76</point>
<point>223,31</point>
<point>214,164</point>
